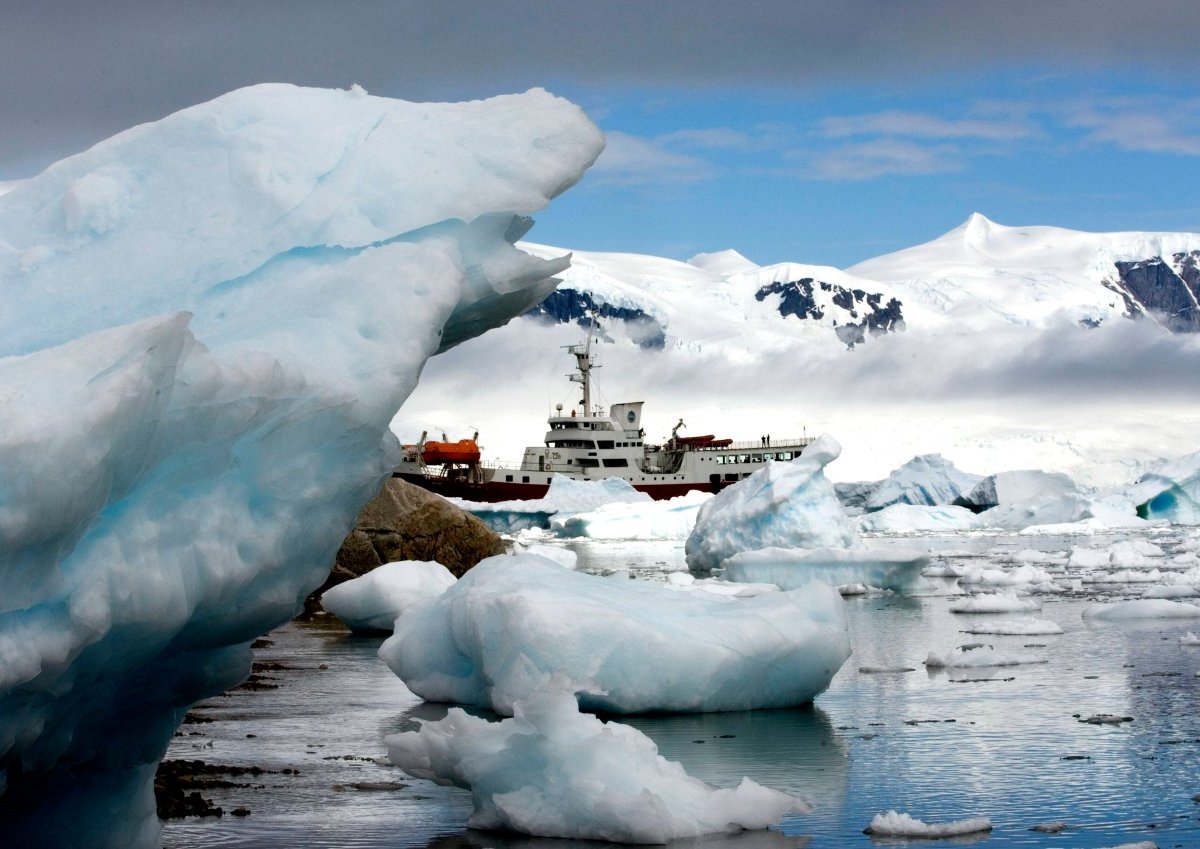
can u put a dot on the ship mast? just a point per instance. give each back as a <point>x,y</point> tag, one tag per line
<point>583,364</point>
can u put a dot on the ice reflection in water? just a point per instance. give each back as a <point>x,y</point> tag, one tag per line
<point>1002,742</point>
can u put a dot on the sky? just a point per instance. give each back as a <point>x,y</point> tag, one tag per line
<point>818,132</point>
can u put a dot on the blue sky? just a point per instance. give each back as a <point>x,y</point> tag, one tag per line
<point>825,131</point>
<point>840,176</point>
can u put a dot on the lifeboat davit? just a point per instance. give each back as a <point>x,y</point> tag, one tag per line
<point>463,451</point>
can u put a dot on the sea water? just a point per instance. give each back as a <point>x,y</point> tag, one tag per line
<point>1009,743</point>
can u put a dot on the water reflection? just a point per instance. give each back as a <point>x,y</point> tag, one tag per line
<point>471,839</point>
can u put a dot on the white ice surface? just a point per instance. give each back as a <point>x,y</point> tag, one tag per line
<point>372,601</point>
<point>911,518</point>
<point>671,518</point>
<point>1142,608</point>
<point>553,771</point>
<point>927,480</point>
<point>782,505</point>
<point>893,824</point>
<point>209,322</point>
<point>789,569</point>
<point>1006,602</point>
<point>1028,627</point>
<point>624,646</point>
<point>982,656</point>
<point>565,496</point>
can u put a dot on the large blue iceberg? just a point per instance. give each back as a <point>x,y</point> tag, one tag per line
<point>208,323</point>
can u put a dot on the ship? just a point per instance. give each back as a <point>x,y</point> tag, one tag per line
<point>588,442</point>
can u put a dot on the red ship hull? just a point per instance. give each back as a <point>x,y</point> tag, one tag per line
<point>492,491</point>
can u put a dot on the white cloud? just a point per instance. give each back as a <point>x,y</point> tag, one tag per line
<point>896,123</point>
<point>1142,124</point>
<point>632,161</point>
<point>879,158</point>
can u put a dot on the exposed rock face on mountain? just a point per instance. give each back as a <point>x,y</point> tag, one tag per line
<point>570,305</point>
<point>1157,289</point>
<point>798,299</point>
<point>405,522</point>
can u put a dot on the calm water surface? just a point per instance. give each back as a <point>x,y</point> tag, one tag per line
<point>1007,742</point>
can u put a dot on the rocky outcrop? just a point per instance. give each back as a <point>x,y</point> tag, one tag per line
<point>861,312</point>
<point>405,522</point>
<point>1170,297</point>
<point>570,305</point>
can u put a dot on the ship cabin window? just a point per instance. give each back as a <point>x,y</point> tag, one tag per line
<point>743,458</point>
<point>756,458</point>
<point>619,462</point>
<point>588,462</point>
<point>783,455</point>
<point>605,443</point>
<point>731,476</point>
<point>571,443</point>
<point>524,478</point>
<point>768,456</point>
<point>508,478</point>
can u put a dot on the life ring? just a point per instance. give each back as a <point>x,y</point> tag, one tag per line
<point>549,467</point>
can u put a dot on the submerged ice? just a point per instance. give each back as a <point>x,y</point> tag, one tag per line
<point>553,771</point>
<point>209,323</point>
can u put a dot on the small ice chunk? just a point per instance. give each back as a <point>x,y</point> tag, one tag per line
<point>1171,591</point>
<point>893,824</point>
<point>1007,602</point>
<point>372,601</point>
<point>1030,626</point>
<point>1142,608</point>
<point>552,771</point>
<point>964,658</point>
<point>1189,639</point>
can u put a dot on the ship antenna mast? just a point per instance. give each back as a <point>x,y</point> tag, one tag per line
<point>583,365</point>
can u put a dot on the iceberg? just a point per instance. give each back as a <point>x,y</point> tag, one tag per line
<point>790,569</point>
<point>916,518</point>
<point>552,771</point>
<point>1172,492</point>
<point>209,323</point>
<point>782,505</point>
<point>926,480</point>
<point>513,622</point>
<point>373,601</point>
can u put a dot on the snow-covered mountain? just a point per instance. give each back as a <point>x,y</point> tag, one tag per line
<point>977,276</point>
<point>998,347</point>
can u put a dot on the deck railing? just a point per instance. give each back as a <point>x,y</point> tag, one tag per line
<point>759,445</point>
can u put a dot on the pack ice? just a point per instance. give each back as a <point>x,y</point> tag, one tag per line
<point>208,323</point>
<point>514,623</point>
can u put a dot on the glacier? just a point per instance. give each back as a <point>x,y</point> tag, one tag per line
<point>209,323</point>
<point>512,624</point>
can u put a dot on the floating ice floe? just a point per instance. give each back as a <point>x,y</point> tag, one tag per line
<point>893,824</point>
<point>671,518</point>
<point>1126,553</point>
<point>552,771</point>
<point>1190,639</point>
<point>1171,591</point>
<point>1027,627</point>
<point>782,505</point>
<point>994,603</point>
<point>1142,608</point>
<point>623,646</point>
<point>565,496</point>
<point>1019,576</point>
<point>372,601</point>
<point>981,656</point>
<point>209,322</point>
<point>789,569</point>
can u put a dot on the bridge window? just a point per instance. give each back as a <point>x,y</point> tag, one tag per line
<point>605,443</point>
<point>619,462</point>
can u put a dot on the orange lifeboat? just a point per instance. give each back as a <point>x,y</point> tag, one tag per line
<point>463,451</point>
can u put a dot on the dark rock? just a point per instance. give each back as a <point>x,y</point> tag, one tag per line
<point>797,299</point>
<point>1162,293</point>
<point>405,522</point>
<point>564,306</point>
